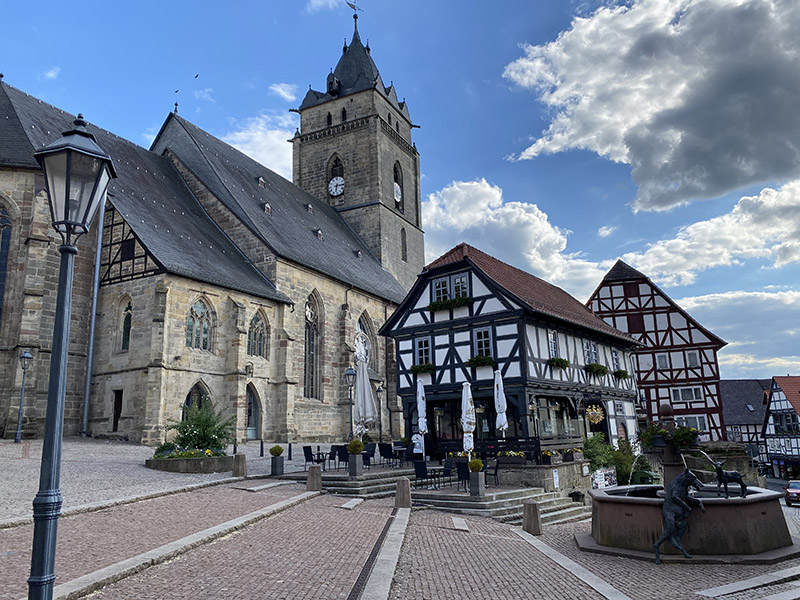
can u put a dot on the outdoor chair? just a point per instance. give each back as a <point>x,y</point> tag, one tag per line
<point>342,456</point>
<point>493,474</point>
<point>310,457</point>
<point>421,473</point>
<point>332,456</point>
<point>386,454</point>
<point>408,455</point>
<point>368,455</point>
<point>447,471</point>
<point>462,470</point>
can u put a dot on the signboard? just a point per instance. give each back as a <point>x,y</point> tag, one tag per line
<point>555,479</point>
<point>604,477</point>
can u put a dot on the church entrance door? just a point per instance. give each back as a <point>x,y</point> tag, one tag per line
<point>253,414</point>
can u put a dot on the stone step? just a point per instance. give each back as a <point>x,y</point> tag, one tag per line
<point>564,515</point>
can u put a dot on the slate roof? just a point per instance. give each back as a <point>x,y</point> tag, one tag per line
<point>290,230</point>
<point>149,194</point>
<point>356,72</point>
<point>737,394</point>
<point>622,271</point>
<point>790,385</point>
<point>537,294</point>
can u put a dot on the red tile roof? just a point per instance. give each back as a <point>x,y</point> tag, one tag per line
<point>791,388</point>
<point>539,295</point>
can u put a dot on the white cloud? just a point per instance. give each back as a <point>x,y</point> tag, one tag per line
<point>698,96</point>
<point>515,232</point>
<point>315,5</point>
<point>205,95</point>
<point>606,230</point>
<point>764,227</point>
<point>759,326</point>
<point>264,139</point>
<point>287,91</point>
<point>51,73</point>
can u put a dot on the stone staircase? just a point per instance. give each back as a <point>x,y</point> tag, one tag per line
<point>378,484</point>
<point>506,505</point>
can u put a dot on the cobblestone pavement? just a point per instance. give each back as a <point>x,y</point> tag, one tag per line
<point>90,541</point>
<point>97,470</point>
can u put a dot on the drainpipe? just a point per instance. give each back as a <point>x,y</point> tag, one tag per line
<point>90,351</point>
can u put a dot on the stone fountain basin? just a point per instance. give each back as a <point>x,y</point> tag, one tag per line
<point>735,525</point>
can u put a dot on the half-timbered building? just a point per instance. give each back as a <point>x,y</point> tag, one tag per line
<point>677,360</point>
<point>469,313</point>
<point>743,409</point>
<point>782,426</point>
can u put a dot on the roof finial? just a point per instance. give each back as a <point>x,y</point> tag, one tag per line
<point>1,76</point>
<point>176,108</point>
<point>344,47</point>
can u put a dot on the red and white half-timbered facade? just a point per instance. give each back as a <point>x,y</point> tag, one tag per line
<point>677,362</point>
<point>782,426</point>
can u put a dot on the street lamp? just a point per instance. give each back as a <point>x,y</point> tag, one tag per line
<point>77,173</point>
<point>24,361</point>
<point>350,378</point>
<point>379,394</point>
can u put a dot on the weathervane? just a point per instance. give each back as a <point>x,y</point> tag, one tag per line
<point>353,6</point>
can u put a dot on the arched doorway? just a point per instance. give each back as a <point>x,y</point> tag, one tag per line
<point>253,414</point>
<point>194,398</point>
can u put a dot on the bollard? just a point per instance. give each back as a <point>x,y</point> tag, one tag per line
<point>314,482</point>
<point>402,497</point>
<point>261,453</point>
<point>532,518</point>
<point>239,465</point>
<point>290,450</point>
<point>235,447</point>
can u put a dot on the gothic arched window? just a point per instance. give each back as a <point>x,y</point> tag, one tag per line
<point>337,168</point>
<point>125,330</point>
<point>344,115</point>
<point>312,350</point>
<point>194,398</point>
<point>258,337</point>
<point>399,196</point>
<point>365,326</point>
<point>403,244</point>
<point>330,120</point>
<point>5,245</point>
<point>198,326</point>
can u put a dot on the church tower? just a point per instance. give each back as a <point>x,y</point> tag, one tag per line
<point>354,151</point>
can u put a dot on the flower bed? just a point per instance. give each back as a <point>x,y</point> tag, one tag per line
<point>205,464</point>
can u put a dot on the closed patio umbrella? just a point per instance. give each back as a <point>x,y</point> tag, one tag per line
<point>364,411</point>
<point>500,405</point>
<point>422,421</point>
<point>467,418</point>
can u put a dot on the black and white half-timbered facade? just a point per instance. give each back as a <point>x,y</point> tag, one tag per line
<point>677,361</point>
<point>782,426</point>
<point>469,313</point>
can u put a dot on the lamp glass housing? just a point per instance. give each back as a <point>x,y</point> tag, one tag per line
<point>350,376</point>
<point>25,359</point>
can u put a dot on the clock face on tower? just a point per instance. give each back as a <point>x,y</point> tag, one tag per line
<point>336,186</point>
<point>398,193</point>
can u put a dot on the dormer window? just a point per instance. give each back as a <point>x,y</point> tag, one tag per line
<point>267,208</point>
<point>310,208</point>
<point>261,182</point>
<point>359,254</point>
<point>319,234</point>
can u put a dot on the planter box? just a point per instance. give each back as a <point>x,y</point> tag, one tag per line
<point>477,484</point>
<point>484,372</point>
<point>277,465</point>
<point>573,456</point>
<point>556,459</point>
<point>206,464</point>
<point>355,465</point>
<point>512,460</point>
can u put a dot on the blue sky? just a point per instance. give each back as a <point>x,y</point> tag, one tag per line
<point>558,136</point>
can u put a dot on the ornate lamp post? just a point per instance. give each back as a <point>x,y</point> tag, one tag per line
<point>77,173</point>
<point>24,361</point>
<point>379,394</point>
<point>350,379</point>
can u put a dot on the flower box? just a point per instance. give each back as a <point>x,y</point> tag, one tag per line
<point>554,459</point>
<point>573,456</point>
<point>207,464</point>
<point>512,460</point>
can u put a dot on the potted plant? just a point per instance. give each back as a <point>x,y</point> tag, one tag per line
<point>621,374</point>
<point>685,437</point>
<point>551,457</point>
<point>573,454</point>
<point>277,460</point>
<point>653,436</point>
<point>511,457</point>
<point>424,368</point>
<point>437,305</point>
<point>558,363</point>
<point>596,370</point>
<point>355,463</point>
<point>477,478</point>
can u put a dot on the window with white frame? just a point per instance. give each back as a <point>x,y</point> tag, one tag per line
<point>687,394</point>
<point>483,341</point>
<point>452,287</point>
<point>441,290</point>
<point>590,351</point>
<point>696,421</point>
<point>692,358</point>
<point>662,361</point>
<point>552,342</point>
<point>619,408</point>
<point>615,359</point>
<point>460,285</point>
<point>422,351</point>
